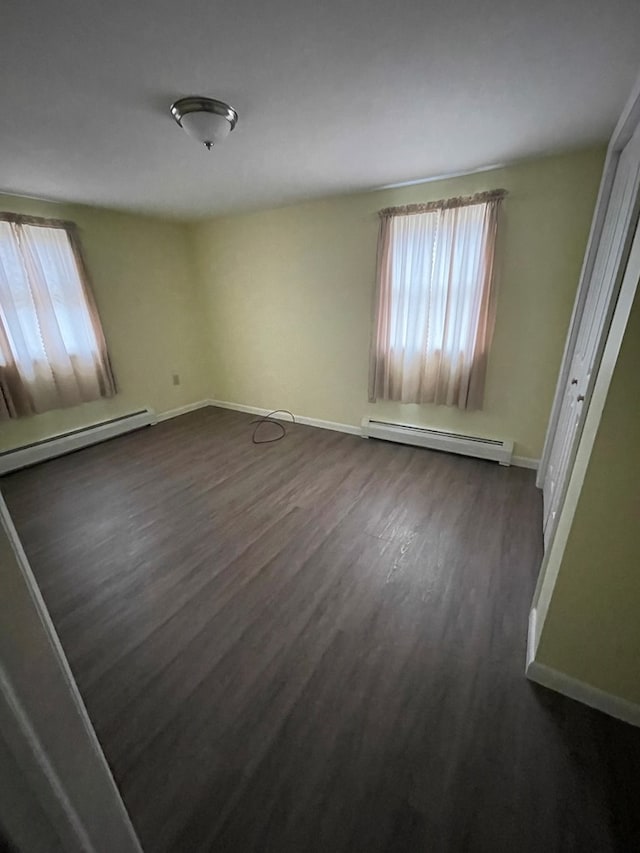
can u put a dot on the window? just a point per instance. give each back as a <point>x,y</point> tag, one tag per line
<point>52,348</point>
<point>435,305</point>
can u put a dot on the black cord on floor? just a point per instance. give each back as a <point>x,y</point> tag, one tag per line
<point>268,419</point>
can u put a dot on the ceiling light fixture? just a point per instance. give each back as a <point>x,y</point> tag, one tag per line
<point>207,120</point>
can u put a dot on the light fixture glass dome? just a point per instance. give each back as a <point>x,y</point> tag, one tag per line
<point>207,120</point>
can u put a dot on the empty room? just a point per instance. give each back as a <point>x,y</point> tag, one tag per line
<point>319,427</point>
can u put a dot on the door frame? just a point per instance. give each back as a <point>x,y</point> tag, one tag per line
<point>45,724</point>
<point>621,302</point>
<point>553,557</point>
<point>627,124</point>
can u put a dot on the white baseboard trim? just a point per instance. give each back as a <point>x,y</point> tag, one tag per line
<point>525,462</point>
<point>333,425</point>
<point>614,706</point>
<point>183,410</point>
<point>59,445</point>
<point>239,407</point>
<point>300,419</point>
<point>519,461</point>
<point>553,679</point>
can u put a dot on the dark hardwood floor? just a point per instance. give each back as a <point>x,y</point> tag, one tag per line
<point>317,646</point>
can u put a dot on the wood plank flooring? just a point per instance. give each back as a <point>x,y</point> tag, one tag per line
<point>317,646</point>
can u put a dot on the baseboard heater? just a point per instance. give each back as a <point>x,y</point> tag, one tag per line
<point>58,445</point>
<point>436,439</point>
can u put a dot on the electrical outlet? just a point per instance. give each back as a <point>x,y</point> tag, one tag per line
<point>176,378</point>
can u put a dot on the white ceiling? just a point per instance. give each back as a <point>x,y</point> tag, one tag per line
<point>333,95</point>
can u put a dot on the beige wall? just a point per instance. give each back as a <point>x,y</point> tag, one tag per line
<point>592,629</point>
<point>273,308</point>
<point>290,297</point>
<point>144,284</point>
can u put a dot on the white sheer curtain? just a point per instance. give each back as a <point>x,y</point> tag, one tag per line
<point>435,302</point>
<point>52,349</point>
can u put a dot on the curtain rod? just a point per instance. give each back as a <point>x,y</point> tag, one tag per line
<point>444,203</point>
<point>24,219</point>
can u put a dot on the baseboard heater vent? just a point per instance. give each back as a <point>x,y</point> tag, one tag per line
<point>436,439</point>
<point>58,445</point>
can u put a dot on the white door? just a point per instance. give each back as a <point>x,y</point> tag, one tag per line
<point>593,327</point>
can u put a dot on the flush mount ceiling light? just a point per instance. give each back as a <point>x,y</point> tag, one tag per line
<point>207,120</point>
